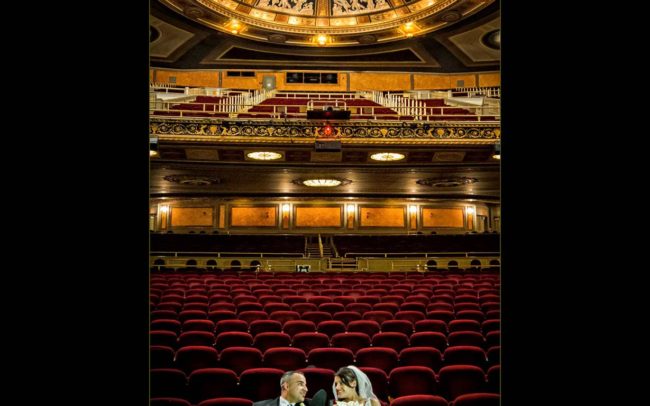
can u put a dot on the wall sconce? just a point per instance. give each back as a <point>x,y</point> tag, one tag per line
<point>470,217</point>
<point>285,215</point>
<point>164,215</point>
<point>350,217</point>
<point>413,214</point>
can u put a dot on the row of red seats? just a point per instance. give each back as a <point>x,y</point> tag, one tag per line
<point>192,357</point>
<point>470,399</point>
<point>262,383</point>
<point>329,327</point>
<point>308,341</point>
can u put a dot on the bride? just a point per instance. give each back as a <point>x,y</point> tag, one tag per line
<point>352,387</point>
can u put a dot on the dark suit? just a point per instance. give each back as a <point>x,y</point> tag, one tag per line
<point>320,398</point>
<point>274,402</point>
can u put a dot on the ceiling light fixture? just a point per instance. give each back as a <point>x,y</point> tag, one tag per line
<point>234,26</point>
<point>322,182</point>
<point>387,156</point>
<point>264,155</point>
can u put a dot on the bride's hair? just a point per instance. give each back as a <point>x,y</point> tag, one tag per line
<point>351,373</point>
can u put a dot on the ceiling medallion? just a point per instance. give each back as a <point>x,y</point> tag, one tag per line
<point>447,182</point>
<point>451,16</point>
<point>277,38</point>
<point>322,182</point>
<point>193,12</point>
<point>193,180</point>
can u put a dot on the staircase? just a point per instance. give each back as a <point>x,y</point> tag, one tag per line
<point>342,264</point>
<point>313,248</point>
<point>313,251</point>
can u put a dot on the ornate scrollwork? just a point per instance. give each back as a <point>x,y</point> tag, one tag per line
<point>305,129</point>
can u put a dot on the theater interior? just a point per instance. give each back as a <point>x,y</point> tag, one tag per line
<point>324,191</point>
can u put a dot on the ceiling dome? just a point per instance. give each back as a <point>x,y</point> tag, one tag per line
<point>327,22</point>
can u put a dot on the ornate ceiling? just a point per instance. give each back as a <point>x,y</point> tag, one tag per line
<point>335,23</point>
<point>417,35</point>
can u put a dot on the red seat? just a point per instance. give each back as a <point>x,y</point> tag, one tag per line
<point>233,339</point>
<point>260,383</point>
<point>398,326</point>
<point>161,356</point>
<point>352,340</point>
<point>421,356</point>
<point>203,338</point>
<point>368,327</point>
<point>195,357</point>
<point>464,325</point>
<point>379,380</point>
<point>264,341</point>
<point>466,338</point>
<point>226,402</point>
<point>412,380</point>
<point>377,357</point>
<point>211,383</point>
<point>230,325</point>
<point>478,399</point>
<point>465,355</point>
<point>293,327</point>
<point>419,400</point>
<point>396,341</point>
<point>346,316</point>
<point>168,382</point>
<point>251,315</point>
<point>285,358</point>
<point>456,380</point>
<point>265,326</point>
<point>431,325</point>
<point>240,359</point>
<point>316,316</point>
<point>317,379</point>
<point>378,315</point>
<point>310,341</point>
<point>429,339</point>
<point>331,327</point>
<point>304,307</point>
<point>274,307</point>
<point>168,402</point>
<point>330,358</point>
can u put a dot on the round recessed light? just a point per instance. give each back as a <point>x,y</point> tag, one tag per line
<point>387,156</point>
<point>264,155</point>
<point>322,182</point>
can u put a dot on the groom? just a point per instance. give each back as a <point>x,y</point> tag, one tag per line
<point>293,388</point>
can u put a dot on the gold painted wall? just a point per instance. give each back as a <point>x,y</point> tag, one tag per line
<point>192,216</point>
<point>427,82</point>
<point>263,216</point>
<point>470,80</point>
<point>318,216</point>
<point>489,79</point>
<point>442,217</point>
<point>379,81</point>
<point>382,217</point>
<point>189,78</point>
<point>238,82</point>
